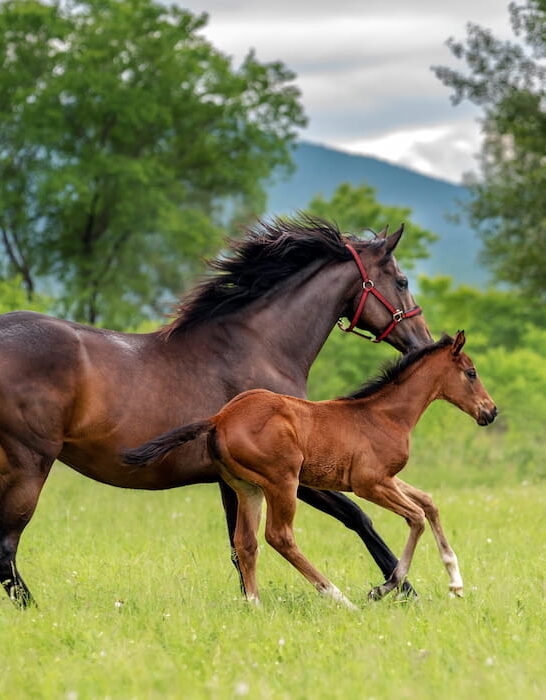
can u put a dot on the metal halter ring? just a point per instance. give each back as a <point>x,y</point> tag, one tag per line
<point>368,287</point>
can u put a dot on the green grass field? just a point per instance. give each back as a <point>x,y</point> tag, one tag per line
<point>138,599</point>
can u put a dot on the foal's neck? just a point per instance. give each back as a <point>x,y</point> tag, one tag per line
<point>405,400</point>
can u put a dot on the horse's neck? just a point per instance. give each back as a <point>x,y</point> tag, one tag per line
<point>405,400</point>
<point>294,325</point>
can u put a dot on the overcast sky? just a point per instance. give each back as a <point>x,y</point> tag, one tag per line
<point>363,69</point>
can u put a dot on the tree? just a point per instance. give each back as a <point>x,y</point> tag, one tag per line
<point>13,297</point>
<point>125,137</point>
<point>355,209</point>
<point>492,318</point>
<point>507,79</point>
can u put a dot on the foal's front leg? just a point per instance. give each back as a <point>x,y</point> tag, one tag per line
<point>447,554</point>
<point>347,512</point>
<point>388,495</point>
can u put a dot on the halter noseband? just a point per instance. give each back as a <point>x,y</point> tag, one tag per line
<point>368,287</point>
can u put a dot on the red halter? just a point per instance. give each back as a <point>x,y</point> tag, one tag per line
<point>368,287</point>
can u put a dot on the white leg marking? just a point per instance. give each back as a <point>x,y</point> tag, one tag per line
<point>254,600</point>
<point>333,592</point>
<point>455,578</point>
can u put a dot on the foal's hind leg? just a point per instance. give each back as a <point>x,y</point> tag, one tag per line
<point>248,498</point>
<point>19,493</point>
<point>249,512</point>
<point>279,532</point>
<point>447,555</point>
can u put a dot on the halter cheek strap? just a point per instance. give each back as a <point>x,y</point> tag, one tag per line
<point>368,287</point>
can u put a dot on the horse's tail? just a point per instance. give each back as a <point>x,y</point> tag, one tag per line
<point>158,447</point>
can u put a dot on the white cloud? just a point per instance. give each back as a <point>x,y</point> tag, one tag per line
<point>364,70</point>
<point>445,150</point>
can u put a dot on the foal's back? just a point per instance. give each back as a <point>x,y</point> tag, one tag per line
<point>261,433</point>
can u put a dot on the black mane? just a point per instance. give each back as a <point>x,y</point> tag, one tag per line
<point>270,253</point>
<point>391,372</point>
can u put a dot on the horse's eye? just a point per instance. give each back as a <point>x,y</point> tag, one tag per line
<point>471,374</point>
<point>402,282</point>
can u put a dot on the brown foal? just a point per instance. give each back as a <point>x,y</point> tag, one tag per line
<point>266,444</point>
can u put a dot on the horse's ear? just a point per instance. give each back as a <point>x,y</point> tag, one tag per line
<point>383,233</point>
<point>392,240</point>
<point>458,343</point>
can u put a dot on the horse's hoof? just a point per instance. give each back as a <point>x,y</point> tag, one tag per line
<point>376,593</point>
<point>407,591</point>
<point>456,592</point>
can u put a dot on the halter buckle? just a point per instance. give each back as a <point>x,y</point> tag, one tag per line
<point>368,284</point>
<point>398,315</point>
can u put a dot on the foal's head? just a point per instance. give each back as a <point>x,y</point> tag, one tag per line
<point>460,384</point>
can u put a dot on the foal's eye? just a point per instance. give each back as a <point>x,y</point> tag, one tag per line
<point>471,374</point>
<point>402,282</point>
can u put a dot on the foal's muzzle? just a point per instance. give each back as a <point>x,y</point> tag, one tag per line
<point>487,416</point>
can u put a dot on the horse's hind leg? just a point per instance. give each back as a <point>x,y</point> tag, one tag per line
<point>19,491</point>
<point>229,501</point>
<point>279,532</point>
<point>447,554</point>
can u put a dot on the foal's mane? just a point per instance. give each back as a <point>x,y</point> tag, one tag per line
<point>391,372</point>
<point>269,253</point>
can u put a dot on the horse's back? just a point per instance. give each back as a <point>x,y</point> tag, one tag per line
<point>48,370</point>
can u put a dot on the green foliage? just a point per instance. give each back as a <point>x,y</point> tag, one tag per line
<point>13,297</point>
<point>123,134</point>
<point>491,318</point>
<point>507,79</point>
<point>355,209</point>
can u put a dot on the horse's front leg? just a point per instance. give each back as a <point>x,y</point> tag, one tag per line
<point>19,492</point>
<point>447,554</point>
<point>347,511</point>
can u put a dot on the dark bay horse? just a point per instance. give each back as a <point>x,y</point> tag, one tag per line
<point>266,444</point>
<point>81,394</point>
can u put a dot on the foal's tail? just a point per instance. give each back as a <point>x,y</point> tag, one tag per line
<point>158,447</point>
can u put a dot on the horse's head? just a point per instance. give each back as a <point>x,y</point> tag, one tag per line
<point>461,386</point>
<point>383,303</point>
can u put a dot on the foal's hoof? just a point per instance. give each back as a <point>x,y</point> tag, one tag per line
<point>456,592</point>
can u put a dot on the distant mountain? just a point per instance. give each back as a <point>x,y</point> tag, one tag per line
<point>320,170</point>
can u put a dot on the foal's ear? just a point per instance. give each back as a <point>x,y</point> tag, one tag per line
<point>392,241</point>
<point>458,343</point>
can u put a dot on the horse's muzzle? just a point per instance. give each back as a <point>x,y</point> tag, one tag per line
<point>487,416</point>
